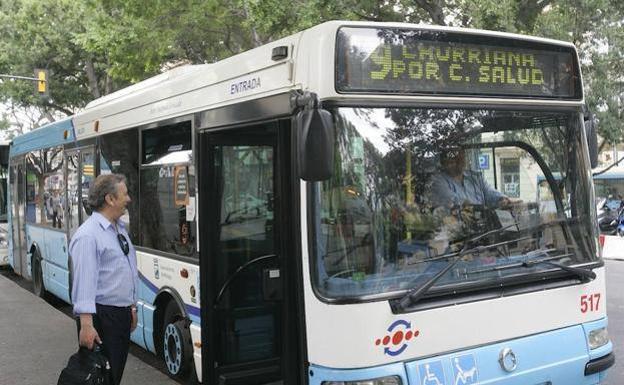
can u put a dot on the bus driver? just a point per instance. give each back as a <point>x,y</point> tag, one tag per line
<point>455,186</point>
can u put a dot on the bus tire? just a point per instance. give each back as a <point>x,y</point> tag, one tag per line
<point>38,284</point>
<point>177,345</point>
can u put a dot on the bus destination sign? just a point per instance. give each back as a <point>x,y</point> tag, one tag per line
<point>429,62</point>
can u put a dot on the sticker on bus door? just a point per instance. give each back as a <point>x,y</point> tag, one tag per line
<point>464,370</point>
<point>431,373</point>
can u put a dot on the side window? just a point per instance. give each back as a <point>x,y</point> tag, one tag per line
<point>72,192</point>
<point>45,187</point>
<point>167,145</point>
<point>54,187</point>
<point>12,180</point>
<point>35,208</point>
<point>119,154</point>
<point>167,190</point>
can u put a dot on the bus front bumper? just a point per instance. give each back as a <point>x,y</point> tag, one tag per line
<point>555,357</point>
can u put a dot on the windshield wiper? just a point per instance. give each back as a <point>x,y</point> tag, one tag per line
<point>416,292</point>
<point>585,275</point>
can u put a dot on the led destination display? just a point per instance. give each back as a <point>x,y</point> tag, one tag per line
<point>425,62</point>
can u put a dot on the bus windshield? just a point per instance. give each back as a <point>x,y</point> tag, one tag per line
<point>412,186</point>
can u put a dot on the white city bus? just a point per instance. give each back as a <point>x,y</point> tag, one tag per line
<point>292,224</point>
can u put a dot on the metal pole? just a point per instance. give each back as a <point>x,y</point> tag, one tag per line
<point>20,77</point>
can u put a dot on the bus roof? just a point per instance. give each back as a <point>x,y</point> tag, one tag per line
<point>252,74</point>
<point>191,88</point>
<point>52,134</point>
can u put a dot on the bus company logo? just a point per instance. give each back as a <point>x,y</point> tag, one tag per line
<point>400,333</point>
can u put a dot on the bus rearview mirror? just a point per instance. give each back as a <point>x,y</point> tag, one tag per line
<point>316,144</point>
<point>591,132</point>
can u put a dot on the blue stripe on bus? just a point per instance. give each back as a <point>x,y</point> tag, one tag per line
<point>150,285</point>
<point>192,310</point>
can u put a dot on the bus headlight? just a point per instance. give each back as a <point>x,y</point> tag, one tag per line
<point>391,380</point>
<point>598,338</point>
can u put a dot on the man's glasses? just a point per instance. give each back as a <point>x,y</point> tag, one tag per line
<point>123,243</point>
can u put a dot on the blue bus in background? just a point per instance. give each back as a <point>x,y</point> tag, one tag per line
<point>38,231</point>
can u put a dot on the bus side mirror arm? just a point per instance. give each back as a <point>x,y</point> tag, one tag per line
<point>315,129</point>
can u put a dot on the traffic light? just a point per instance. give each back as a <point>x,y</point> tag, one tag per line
<point>42,87</point>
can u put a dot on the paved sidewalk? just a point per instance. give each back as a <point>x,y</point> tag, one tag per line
<point>36,340</point>
<point>613,247</point>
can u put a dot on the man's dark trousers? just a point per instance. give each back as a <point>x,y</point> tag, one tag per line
<point>113,324</point>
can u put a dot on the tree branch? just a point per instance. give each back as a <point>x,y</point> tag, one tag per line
<point>435,9</point>
<point>58,108</point>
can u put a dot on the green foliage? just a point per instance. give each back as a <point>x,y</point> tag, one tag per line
<point>38,34</point>
<point>496,15</point>
<point>595,27</point>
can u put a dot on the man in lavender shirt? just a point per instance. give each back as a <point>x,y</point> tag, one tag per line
<point>105,277</point>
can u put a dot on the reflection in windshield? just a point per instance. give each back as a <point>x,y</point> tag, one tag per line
<point>412,186</point>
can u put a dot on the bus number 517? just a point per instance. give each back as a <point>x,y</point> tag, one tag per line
<point>590,302</point>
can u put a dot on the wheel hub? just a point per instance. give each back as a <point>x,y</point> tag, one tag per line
<point>173,349</point>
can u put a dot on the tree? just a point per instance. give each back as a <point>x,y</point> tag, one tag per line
<point>95,47</point>
<point>595,27</point>
<point>38,35</point>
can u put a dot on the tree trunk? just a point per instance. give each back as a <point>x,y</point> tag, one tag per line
<point>92,77</point>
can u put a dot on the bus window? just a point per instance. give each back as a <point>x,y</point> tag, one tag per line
<point>119,155</point>
<point>73,192</point>
<point>3,193</point>
<point>403,197</point>
<point>167,145</point>
<point>54,187</point>
<point>164,222</point>
<point>167,187</point>
<point>45,187</point>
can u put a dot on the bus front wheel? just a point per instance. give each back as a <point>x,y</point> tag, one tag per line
<point>177,345</point>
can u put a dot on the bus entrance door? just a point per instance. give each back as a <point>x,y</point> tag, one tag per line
<point>246,276</point>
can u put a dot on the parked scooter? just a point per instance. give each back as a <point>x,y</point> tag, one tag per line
<point>616,226</point>
<point>620,223</point>
<point>609,212</point>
